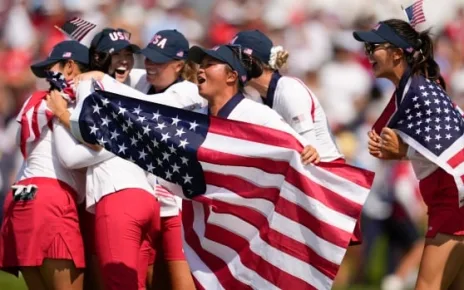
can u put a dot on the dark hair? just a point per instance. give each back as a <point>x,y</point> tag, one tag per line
<point>421,60</point>
<point>82,67</point>
<point>99,60</point>
<point>253,67</point>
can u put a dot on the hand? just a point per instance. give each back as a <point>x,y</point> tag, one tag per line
<point>392,146</point>
<point>96,75</point>
<point>374,144</point>
<point>309,155</point>
<point>56,103</point>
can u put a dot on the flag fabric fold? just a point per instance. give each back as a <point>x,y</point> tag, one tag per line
<point>35,116</point>
<point>424,116</point>
<point>254,217</point>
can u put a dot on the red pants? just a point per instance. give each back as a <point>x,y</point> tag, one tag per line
<point>122,220</point>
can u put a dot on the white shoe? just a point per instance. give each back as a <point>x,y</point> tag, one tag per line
<point>392,282</point>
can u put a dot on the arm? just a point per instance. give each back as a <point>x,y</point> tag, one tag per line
<point>296,104</point>
<point>72,154</point>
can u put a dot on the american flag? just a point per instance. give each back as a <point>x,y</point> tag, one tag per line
<point>35,116</point>
<point>427,120</point>
<point>76,28</point>
<point>255,217</point>
<point>415,13</point>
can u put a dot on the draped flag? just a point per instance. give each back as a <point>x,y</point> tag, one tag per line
<point>428,121</point>
<point>255,218</point>
<point>35,116</point>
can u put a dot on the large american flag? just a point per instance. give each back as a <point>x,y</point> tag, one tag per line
<point>35,116</point>
<point>76,28</point>
<point>427,120</point>
<point>257,218</point>
<point>415,13</point>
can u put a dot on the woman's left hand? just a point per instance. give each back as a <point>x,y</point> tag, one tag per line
<point>392,146</point>
<point>56,103</point>
<point>309,155</point>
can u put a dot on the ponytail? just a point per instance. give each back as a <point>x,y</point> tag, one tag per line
<point>189,71</point>
<point>278,58</point>
<point>421,60</point>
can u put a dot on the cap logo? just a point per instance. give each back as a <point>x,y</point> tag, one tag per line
<point>215,48</point>
<point>118,35</point>
<point>244,78</point>
<point>67,54</point>
<point>180,54</point>
<point>409,49</point>
<point>159,41</point>
<point>377,27</point>
<point>248,51</point>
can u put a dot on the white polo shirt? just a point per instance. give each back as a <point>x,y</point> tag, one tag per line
<point>299,107</point>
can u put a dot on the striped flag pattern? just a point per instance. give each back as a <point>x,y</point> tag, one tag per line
<point>415,13</point>
<point>35,116</point>
<point>77,28</point>
<point>254,217</point>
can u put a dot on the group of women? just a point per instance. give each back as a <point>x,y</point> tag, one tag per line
<point>77,208</point>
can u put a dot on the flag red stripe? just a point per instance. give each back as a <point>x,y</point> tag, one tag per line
<point>294,212</point>
<point>216,265</point>
<point>25,133</point>
<point>356,175</point>
<point>457,159</point>
<point>322,229</point>
<point>275,239</point>
<point>197,283</point>
<point>386,115</point>
<point>324,195</point>
<point>253,133</point>
<point>35,121</point>
<point>273,274</point>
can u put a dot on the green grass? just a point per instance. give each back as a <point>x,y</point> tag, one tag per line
<point>11,282</point>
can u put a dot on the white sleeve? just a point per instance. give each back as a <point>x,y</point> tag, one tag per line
<point>71,153</point>
<point>295,104</point>
<point>178,98</point>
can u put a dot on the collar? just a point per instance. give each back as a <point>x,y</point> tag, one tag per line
<point>269,99</point>
<point>402,85</point>
<point>152,90</point>
<point>225,111</point>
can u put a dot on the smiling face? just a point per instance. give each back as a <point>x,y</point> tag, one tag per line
<point>213,77</point>
<point>384,58</point>
<point>161,75</point>
<point>122,63</point>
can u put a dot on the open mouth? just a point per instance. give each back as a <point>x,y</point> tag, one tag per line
<point>201,80</point>
<point>151,72</point>
<point>120,70</point>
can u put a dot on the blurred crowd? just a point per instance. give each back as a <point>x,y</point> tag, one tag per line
<point>323,53</point>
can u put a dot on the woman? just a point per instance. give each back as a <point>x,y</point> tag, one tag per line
<point>118,191</point>
<point>405,57</point>
<point>290,97</point>
<point>40,232</point>
<point>167,69</point>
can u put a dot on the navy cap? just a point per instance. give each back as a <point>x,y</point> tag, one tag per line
<point>165,46</point>
<point>255,43</point>
<point>68,49</point>
<point>382,33</point>
<point>223,53</point>
<point>113,40</point>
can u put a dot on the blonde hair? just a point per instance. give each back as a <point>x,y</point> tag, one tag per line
<point>189,71</point>
<point>278,58</point>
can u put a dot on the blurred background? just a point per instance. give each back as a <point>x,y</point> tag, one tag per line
<point>318,35</point>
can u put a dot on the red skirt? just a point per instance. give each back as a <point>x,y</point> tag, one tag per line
<point>44,227</point>
<point>441,196</point>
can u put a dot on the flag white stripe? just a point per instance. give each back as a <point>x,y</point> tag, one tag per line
<point>337,184</point>
<point>316,208</point>
<point>293,266</point>
<point>228,255</point>
<point>282,224</point>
